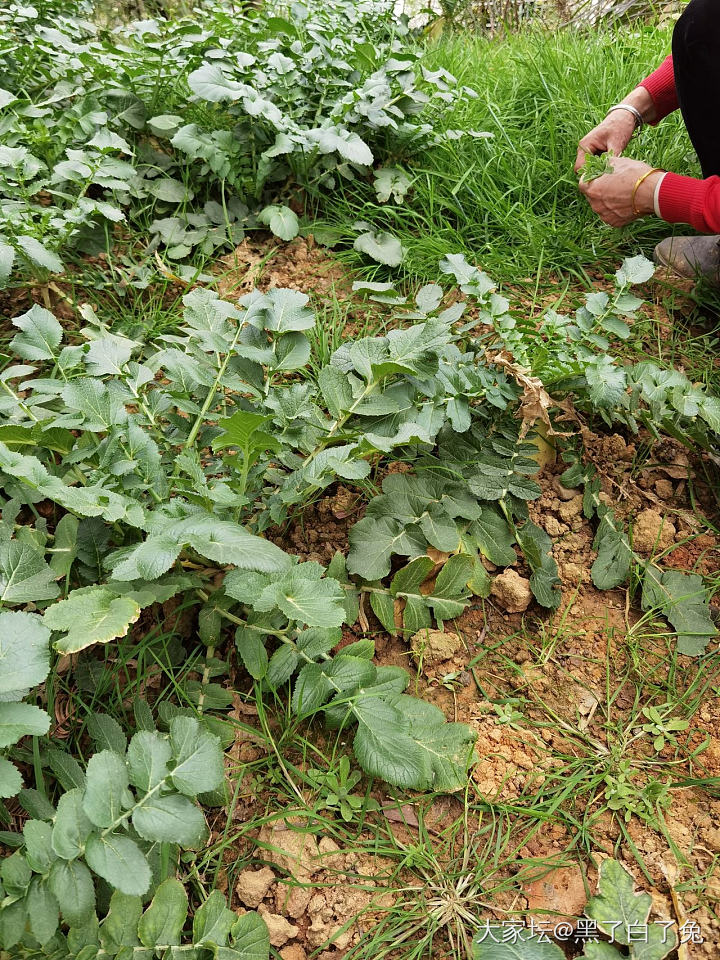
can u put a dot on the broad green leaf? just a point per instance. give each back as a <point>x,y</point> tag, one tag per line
<point>170,819</point>
<point>494,538</point>
<point>119,860</point>
<point>15,874</point>
<point>374,541</point>
<point>252,650</point>
<point>40,335</point>
<point>390,181</point>
<point>10,779</point>
<point>21,720</point>
<point>250,938</point>
<point>448,746</point>
<point>283,310</point>
<point>39,255</point>
<point>24,653</point>
<point>683,599</point>
<point>38,847</point>
<point>494,943</point>
<point>660,942</point>
<point>119,928</point>
<point>13,922</point>
<point>616,906</point>
<point>148,757</point>
<point>612,566</point>
<point>385,749</point>
<point>281,666</point>
<point>171,190</point>
<point>106,789</point>
<point>64,546</point>
<point>635,270</point>
<point>24,575</point>
<point>106,733</point>
<point>212,921</point>
<point>163,921</point>
<point>91,615</point>
<point>381,246</point>
<point>74,890</point>
<point>317,603</point>
<point>42,909</point>
<point>198,757</point>
<point>72,827</point>
<point>281,220</point>
<point>383,606</point>
<point>7,256</point>
<point>601,951</point>
<point>335,388</point>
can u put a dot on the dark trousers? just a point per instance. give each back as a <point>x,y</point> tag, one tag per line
<point>696,61</point>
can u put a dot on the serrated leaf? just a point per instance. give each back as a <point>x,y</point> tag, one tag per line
<point>24,575</point>
<point>10,779</point>
<point>198,757</point>
<point>250,939</point>
<point>493,944</point>
<point>252,650</point>
<point>73,888</point>
<point>91,615</point>
<point>635,270</point>
<point>494,538</point>
<point>24,653</point>
<point>42,909</point>
<point>381,247</point>
<point>40,335</point>
<point>21,720</point>
<point>170,819</point>
<point>385,749</point>
<point>119,928</point>
<point>283,222</point>
<point>120,861</point>
<point>616,907</point>
<point>316,603</point>
<point>213,921</point>
<point>683,600</point>
<point>612,566</point>
<point>106,789</point>
<point>373,541</point>
<point>39,255</point>
<point>148,757</point>
<point>163,921</point>
<point>71,827</point>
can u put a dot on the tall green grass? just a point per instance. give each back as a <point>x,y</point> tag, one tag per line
<point>511,202</point>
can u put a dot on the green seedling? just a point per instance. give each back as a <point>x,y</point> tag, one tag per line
<point>595,167</point>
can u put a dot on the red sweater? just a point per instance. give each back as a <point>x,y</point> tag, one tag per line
<point>682,199</point>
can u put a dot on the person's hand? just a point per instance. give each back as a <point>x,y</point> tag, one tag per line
<point>610,136</point>
<point>611,196</point>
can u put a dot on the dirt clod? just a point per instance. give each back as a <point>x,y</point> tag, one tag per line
<point>252,886</point>
<point>435,646</point>
<point>293,951</point>
<point>560,892</point>
<point>652,532</point>
<point>511,591</point>
<point>279,928</point>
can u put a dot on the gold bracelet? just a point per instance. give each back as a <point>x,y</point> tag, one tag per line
<point>640,181</point>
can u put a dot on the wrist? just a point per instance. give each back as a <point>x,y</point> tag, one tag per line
<point>643,103</point>
<point>645,193</point>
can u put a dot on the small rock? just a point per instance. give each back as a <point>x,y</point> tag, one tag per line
<point>553,527</point>
<point>278,927</point>
<point>573,573</point>
<point>511,591</point>
<point>434,646</point>
<point>292,901</point>
<point>293,952</point>
<point>652,532</point>
<point>712,838</point>
<point>664,489</point>
<point>564,493</point>
<point>253,885</point>
<point>571,509</point>
<point>293,850</point>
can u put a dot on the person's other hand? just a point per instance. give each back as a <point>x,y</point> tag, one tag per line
<point>611,196</point>
<point>610,136</point>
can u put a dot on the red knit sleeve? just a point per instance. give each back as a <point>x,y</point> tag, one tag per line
<point>687,200</point>
<point>661,87</point>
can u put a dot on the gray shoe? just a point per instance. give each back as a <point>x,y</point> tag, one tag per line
<point>694,258</point>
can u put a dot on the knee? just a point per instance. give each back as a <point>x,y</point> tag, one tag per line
<point>698,24</point>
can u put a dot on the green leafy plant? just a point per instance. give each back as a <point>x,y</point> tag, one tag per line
<point>595,166</point>
<point>336,788</point>
<point>661,727</point>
